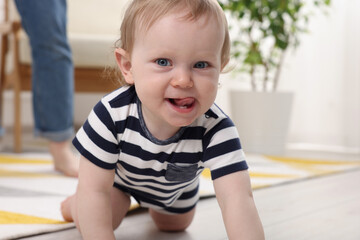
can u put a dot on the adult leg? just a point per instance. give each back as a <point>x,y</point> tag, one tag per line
<point>65,160</point>
<point>52,77</point>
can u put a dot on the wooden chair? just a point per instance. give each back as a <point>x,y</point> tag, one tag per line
<point>87,77</point>
<point>5,31</point>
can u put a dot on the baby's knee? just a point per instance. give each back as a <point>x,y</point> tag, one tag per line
<point>66,209</point>
<point>172,223</point>
<point>116,220</point>
<point>115,225</point>
<point>171,227</point>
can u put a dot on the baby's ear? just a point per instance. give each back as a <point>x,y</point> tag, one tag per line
<point>124,64</point>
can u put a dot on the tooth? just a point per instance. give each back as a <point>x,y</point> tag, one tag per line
<point>184,107</point>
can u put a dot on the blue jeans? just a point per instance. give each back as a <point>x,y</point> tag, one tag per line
<point>52,68</point>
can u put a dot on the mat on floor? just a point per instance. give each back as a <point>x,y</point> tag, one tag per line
<point>31,191</point>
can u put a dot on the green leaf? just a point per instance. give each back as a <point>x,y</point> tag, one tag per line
<point>279,21</point>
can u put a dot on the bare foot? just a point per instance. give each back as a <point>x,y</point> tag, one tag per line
<point>66,209</point>
<point>65,160</point>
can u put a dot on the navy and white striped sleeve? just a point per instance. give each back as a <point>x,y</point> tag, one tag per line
<point>97,138</point>
<point>223,153</point>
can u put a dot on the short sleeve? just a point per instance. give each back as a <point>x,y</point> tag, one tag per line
<point>97,138</point>
<point>222,150</point>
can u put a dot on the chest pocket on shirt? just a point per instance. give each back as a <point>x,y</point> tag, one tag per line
<point>180,173</point>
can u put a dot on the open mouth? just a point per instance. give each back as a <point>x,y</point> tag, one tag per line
<point>182,103</point>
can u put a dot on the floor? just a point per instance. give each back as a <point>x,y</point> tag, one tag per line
<point>322,208</point>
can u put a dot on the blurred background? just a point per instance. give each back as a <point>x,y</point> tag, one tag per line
<point>323,73</point>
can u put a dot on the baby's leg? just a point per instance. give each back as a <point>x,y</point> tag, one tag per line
<point>172,223</point>
<point>120,205</point>
<point>68,210</point>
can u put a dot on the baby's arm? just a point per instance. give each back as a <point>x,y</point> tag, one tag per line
<point>240,215</point>
<point>94,201</point>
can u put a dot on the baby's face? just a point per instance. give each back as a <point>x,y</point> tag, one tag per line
<point>175,67</point>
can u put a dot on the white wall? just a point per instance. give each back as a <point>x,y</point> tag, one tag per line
<point>351,91</point>
<point>324,72</point>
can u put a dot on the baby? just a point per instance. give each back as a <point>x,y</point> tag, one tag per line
<point>152,138</point>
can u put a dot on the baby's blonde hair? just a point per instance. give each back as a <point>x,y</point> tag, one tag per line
<point>141,14</point>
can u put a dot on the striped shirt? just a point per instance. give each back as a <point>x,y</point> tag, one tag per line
<point>161,174</point>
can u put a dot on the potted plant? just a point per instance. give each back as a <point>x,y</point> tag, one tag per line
<point>262,32</point>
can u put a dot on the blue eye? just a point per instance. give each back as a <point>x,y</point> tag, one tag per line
<point>163,62</point>
<point>201,65</point>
